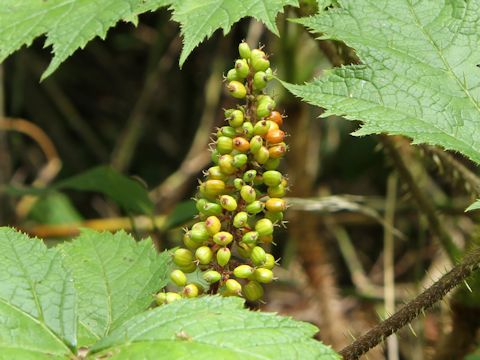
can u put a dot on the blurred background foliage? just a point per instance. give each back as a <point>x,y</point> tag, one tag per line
<point>125,102</point>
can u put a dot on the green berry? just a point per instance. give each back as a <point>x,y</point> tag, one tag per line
<point>269,262</point>
<point>240,160</point>
<point>250,238</point>
<point>244,50</point>
<point>233,286</point>
<point>191,291</point>
<point>262,155</point>
<point>276,191</point>
<point>161,298</point>
<point>263,275</point>
<point>240,219</point>
<point>259,80</point>
<point>247,129</point>
<point>212,276</point>
<point>244,250</point>
<point>188,268</point>
<point>248,194</point>
<point>204,255</point>
<point>212,225</point>
<point>274,216</point>
<point>228,131</point>
<point>232,75</point>
<point>264,227</point>
<point>223,256</point>
<point>223,238</point>
<point>265,107</point>
<point>238,183</point>
<point>243,271</point>
<point>224,145</point>
<point>188,242</point>
<point>178,277</point>
<point>242,68</point>
<point>256,143</point>
<point>171,297</point>
<point>199,232</point>
<point>226,164</point>
<point>237,89</point>
<point>272,164</point>
<point>261,127</point>
<point>254,207</point>
<point>214,173</point>
<point>259,60</point>
<point>228,202</point>
<point>183,257</point>
<point>235,118</point>
<point>272,178</point>
<point>252,291</point>
<point>211,209</point>
<point>249,175</point>
<point>215,156</point>
<point>258,255</point>
<point>212,188</point>
<point>269,74</point>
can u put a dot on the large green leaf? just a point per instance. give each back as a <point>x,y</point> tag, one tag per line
<point>68,24</point>
<point>212,328</point>
<point>36,291</point>
<point>199,19</point>
<point>115,278</point>
<point>418,75</point>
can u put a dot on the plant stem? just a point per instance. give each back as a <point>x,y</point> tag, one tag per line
<point>410,311</point>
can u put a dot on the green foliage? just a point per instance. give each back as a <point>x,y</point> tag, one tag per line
<point>214,327</point>
<point>129,194</point>
<point>418,75</point>
<point>474,206</point>
<point>68,25</point>
<point>104,283</point>
<point>114,277</point>
<point>199,19</point>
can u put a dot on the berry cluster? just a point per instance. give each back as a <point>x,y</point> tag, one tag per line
<point>240,201</point>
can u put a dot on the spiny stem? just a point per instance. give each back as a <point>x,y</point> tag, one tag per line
<point>412,309</point>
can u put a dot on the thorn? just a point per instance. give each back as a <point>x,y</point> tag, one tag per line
<point>468,286</point>
<point>411,329</point>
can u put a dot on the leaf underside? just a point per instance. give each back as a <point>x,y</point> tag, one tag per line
<point>419,74</point>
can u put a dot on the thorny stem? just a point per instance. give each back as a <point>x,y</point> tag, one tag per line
<point>412,309</point>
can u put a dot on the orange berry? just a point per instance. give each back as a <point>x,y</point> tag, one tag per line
<point>277,151</point>
<point>241,144</point>
<point>276,117</point>
<point>274,136</point>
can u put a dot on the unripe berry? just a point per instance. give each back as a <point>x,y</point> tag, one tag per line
<point>191,291</point>
<point>228,202</point>
<point>227,131</point>
<point>223,256</point>
<point>275,204</point>
<point>237,89</point>
<point>240,160</point>
<point>259,60</point>
<point>264,227</point>
<point>259,80</point>
<point>212,188</point>
<point>241,144</point>
<point>256,143</point>
<point>276,191</point>
<point>262,155</point>
<point>243,271</point>
<point>232,75</point>
<point>275,136</point>
<point>247,129</point>
<point>212,276</point>
<point>266,239</point>
<point>265,106</point>
<point>269,262</point>
<point>188,268</point>
<point>263,275</point>
<point>211,208</point>
<point>161,298</point>
<point>226,164</point>
<point>254,207</point>
<point>214,173</point>
<point>204,255</point>
<point>261,128</point>
<point>183,257</point>
<point>252,291</point>
<point>244,50</point>
<point>189,243</point>
<point>178,277</point>
<point>223,238</point>
<point>250,238</point>
<point>238,183</point>
<point>215,156</point>
<point>248,194</point>
<point>242,68</point>
<point>233,286</point>
<point>275,217</point>
<point>199,232</point>
<point>212,225</point>
<point>244,250</point>
<point>224,145</point>
<point>258,255</point>
<point>272,125</point>
<point>249,175</point>
<point>171,297</point>
<point>235,118</point>
<point>272,178</point>
<point>269,74</point>
<point>240,219</point>
<point>271,164</point>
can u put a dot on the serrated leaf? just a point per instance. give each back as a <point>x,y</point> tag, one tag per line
<point>200,19</point>
<point>68,24</point>
<point>35,290</point>
<point>212,327</point>
<point>115,278</point>
<point>474,206</point>
<point>419,76</point>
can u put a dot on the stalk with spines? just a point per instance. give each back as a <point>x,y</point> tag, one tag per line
<point>240,200</point>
